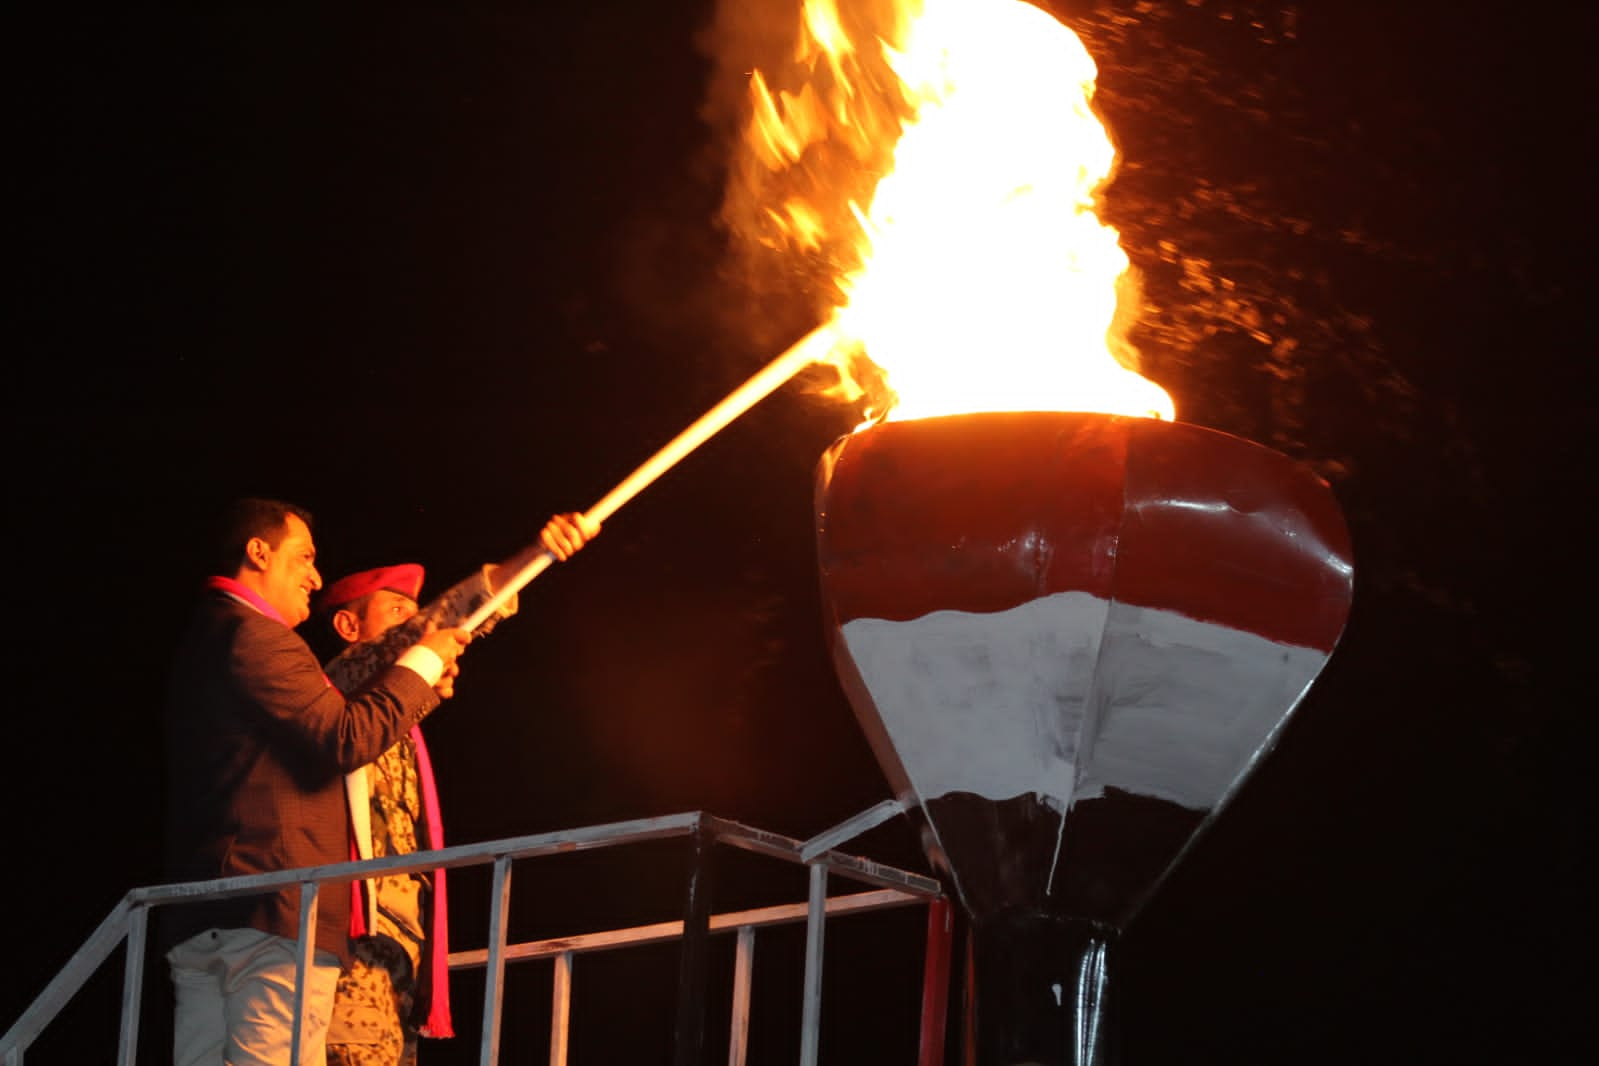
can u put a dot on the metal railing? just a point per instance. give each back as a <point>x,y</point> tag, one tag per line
<point>128,923</point>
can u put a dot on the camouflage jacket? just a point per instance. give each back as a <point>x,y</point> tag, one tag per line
<point>403,917</point>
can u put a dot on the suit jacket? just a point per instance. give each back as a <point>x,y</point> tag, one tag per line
<point>258,743</point>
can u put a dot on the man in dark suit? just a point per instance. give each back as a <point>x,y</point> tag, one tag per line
<point>258,744</point>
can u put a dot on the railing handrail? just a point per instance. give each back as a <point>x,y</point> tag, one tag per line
<point>896,887</point>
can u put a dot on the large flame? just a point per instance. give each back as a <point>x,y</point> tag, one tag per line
<point>979,276</point>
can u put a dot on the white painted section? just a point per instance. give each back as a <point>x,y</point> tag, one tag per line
<point>1070,693</point>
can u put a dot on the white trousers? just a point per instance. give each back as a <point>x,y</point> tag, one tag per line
<point>235,1000</point>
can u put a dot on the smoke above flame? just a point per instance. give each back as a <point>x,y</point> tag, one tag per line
<point>942,157</point>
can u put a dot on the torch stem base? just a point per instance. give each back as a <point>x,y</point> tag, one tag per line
<point>1039,991</point>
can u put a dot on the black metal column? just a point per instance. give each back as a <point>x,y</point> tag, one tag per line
<point>691,977</point>
<point>1040,991</point>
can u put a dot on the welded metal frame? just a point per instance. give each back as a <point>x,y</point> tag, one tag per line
<point>127,924</point>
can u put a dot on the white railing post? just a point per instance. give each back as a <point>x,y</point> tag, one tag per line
<point>738,1038</point>
<point>494,981</point>
<point>132,986</point>
<point>305,952</point>
<point>561,1009</point>
<point>815,928</point>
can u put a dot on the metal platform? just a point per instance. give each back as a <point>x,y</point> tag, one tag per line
<point>889,887</point>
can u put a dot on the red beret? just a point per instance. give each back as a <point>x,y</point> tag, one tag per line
<point>405,579</point>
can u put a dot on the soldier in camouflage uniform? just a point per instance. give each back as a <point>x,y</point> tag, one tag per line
<point>396,989</point>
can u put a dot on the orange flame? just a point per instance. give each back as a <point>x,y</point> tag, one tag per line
<point>979,277</point>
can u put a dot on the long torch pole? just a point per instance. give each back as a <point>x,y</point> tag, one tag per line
<point>811,348</point>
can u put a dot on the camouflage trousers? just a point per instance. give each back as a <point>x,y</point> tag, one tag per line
<point>374,997</point>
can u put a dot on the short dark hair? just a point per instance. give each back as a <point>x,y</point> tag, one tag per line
<point>249,517</point>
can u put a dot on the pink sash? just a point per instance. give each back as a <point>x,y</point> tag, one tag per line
<point>249,596</point>
<point>438,1022</point>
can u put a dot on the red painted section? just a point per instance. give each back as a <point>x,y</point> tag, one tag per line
<point>1227,531</point>
<point>986,512</point>
<point>969,514</point>
<point>935,982</point>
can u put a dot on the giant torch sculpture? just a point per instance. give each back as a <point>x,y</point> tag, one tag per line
<point>1069,638</point>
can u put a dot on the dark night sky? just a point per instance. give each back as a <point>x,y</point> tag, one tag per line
<point>436,275</point>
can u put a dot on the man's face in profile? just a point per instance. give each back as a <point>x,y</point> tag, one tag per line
<point>384,609</point>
